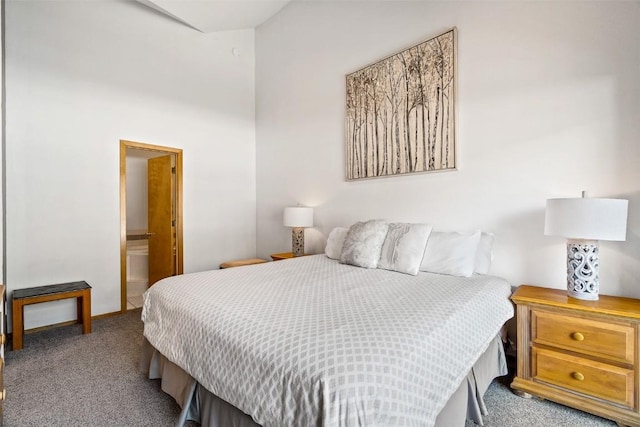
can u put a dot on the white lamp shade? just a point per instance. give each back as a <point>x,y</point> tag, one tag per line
<point>298,216</point>
<point>587,218</point>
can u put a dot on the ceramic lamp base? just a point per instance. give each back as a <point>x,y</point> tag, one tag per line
<point>297,241</point>
<point>583,262</point>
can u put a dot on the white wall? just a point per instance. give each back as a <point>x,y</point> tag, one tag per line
<point>81,76</point>
<point>1,148</point>
<point>137,193</point>
<point>548,105</point>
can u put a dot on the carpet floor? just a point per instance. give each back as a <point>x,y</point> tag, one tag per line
<point>64,378</point>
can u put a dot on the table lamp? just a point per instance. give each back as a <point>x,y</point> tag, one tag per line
<point>585,221</point>
<point>298,217</point>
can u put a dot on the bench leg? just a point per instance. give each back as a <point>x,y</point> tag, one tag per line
<point>85,315</point>
<point>18,324</point>
<point>79,309</point>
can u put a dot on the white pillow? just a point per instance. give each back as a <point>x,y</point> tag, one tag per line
<point>404,247</point>
<point>363,243</point>
<point>484,255</point>
<point>335,242</point>
<point>451,253</point>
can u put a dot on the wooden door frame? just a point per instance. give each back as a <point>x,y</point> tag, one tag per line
<point>123,210</point>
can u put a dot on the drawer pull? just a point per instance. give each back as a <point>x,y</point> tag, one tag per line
<point>3,394</point>
<point>577,376</point>
<point>577,336</point>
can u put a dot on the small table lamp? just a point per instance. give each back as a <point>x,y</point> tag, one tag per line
<point>584,221</point>
<point>298,217</point>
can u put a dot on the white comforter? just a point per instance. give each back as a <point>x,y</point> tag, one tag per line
<point>310,342</point>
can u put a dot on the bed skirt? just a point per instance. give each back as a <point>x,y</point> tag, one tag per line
<point>200,405</point>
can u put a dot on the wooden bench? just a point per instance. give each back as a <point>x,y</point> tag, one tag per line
<point>22,297</point>
<point>241,262</point>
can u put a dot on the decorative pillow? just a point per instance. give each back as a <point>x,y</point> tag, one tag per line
<point>404,247</point>
<point>484,255</point>
<point>335,242</point>
<point>451,253</point>
<point>363,243</point>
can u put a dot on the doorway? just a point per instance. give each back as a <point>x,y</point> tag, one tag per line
<point>150,218</point>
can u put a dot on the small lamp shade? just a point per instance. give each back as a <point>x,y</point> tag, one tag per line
<point>298,216</point>
<point>585,221</point>
<point>588,219</point>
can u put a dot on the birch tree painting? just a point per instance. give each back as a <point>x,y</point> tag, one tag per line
<point>401,112</point>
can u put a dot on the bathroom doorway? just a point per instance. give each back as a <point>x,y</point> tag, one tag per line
<point>150,218</point>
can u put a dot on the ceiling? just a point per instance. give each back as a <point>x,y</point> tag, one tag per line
<point>209,16</point>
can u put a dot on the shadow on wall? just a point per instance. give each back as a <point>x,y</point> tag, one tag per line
<point>627,253</point>
<point>519,240</point>
<point>315,240</point>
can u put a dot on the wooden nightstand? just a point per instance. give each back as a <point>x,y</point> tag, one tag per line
<point>284,255</point>
<point>582,354</point>
<point>242,262</point>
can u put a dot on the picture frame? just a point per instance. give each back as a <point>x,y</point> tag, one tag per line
<point>401,112</point>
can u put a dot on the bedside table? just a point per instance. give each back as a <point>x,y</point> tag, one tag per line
<point>284,255</point>
<point>582,354</point>
<point>241,262</point>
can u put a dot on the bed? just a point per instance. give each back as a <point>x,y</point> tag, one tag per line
<point>312,342</point>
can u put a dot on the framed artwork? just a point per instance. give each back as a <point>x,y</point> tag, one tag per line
<point>401,112</point>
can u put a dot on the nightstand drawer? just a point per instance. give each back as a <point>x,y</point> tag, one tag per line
<point>609,340</point>
<point>601,380</point>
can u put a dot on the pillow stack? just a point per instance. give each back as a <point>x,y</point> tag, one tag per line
<point>410,248</point>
